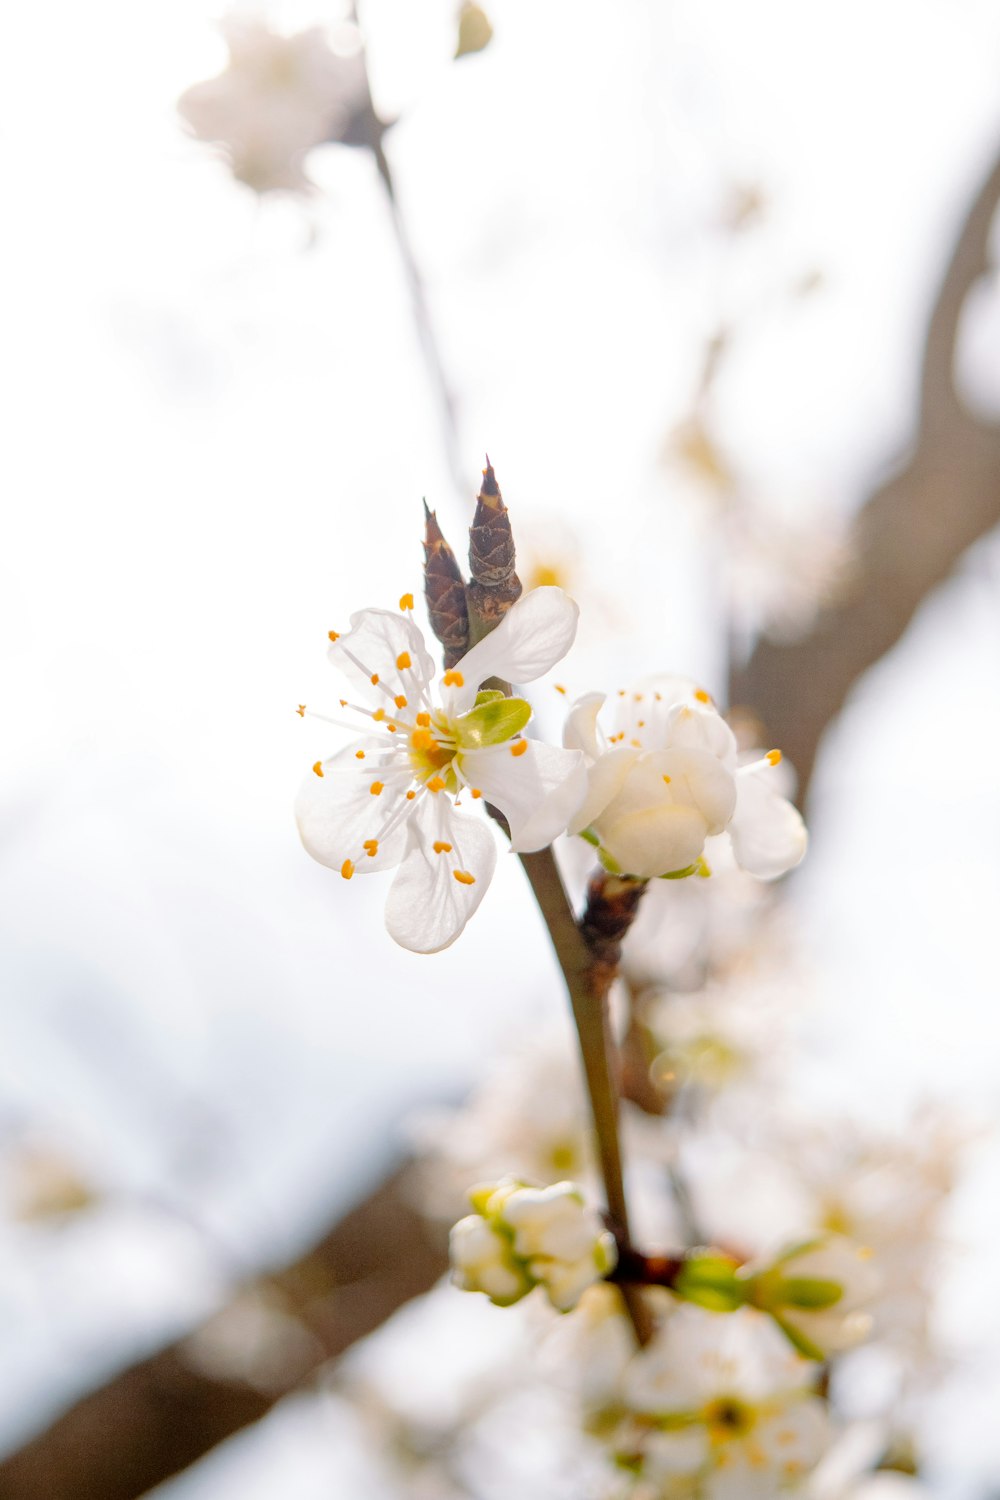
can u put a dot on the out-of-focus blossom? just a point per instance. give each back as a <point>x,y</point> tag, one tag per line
<point>663,777</point>
<point>278,97</point>
<point>521,1237</point>
<point>720,1410</point>
<point>528,1117</point>
<point>819,1294</point>
<point>390,798</point>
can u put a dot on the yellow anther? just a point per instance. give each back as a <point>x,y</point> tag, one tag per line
<point>621,692</point>
<point>641,724</point>
<point>370,846</point>
<point>422,739</point>
<point>476,792</point>
<point>463,877</point>
<point>374,679</point>
<point>399,701</point>
<point>334,635</point>
<point>343,702</point>
<point>559,688</point>
<point>440,847</point>
<point>392,728</point>
<point>301,710</point>
<point>454,679</point>
<point>519,747</point>
<point>774,757</point>
<point>435,784</point>
<point>658,697</point>
<point>347,869</point>
<point>376,788</point>
<point>406,601</point>
<point>667,780</point>
<point>636,743</point>
<point>359,755</point>
<point>403,661</point>
<point>702,696</point>
<point>318,768</point>
<point>378,715</point>
<point>424,721</point>
<point>410,796</point>
<point>637,697</point>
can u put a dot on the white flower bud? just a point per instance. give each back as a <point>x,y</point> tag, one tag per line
<point>481,1261</point>
<point>522,1237</point>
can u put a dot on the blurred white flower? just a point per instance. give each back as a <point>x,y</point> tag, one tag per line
<point>528,1117</point>
<point>548,1237</point>
<point>389,798</point>
<point>721,1410</point>
<point>278,97</point>
<point>664,776</point>
<point>819,1294</point>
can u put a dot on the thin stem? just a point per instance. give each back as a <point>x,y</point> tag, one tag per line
<point>422,318</point>
<point>588,983</point>
<point>369,130</point>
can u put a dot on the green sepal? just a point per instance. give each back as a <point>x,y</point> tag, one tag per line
<point>492,722</point>
<point>681,874</point>
<point>711,1281</point>
<point>610,864</point>
<point>590,837</point>
<point>798,1340</point>
<point>488,695</point>
<point>813,1292</point>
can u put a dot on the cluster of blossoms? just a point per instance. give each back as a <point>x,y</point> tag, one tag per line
<point>521,1237</point>
<point>702,1372</point>
<point>648,804</point>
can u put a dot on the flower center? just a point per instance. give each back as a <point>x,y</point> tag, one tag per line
<point>728,1418</point>
<point>432,750</point>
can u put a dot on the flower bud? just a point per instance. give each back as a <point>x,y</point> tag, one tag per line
<point>521,1237</point>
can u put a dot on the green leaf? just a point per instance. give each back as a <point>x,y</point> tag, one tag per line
<point>492,722</point>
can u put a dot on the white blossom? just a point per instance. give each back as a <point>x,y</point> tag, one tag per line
<point>664,776</point>
<point>819,1294</point>
<point>721,1410</point>
<point>278,97</point>
<point>549,1236</point>
<point>390,798</point>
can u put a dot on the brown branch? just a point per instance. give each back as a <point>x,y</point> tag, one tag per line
<point>163,1414</point>
<point>908,536</point>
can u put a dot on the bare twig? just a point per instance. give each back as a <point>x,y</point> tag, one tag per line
<point>908,537</point>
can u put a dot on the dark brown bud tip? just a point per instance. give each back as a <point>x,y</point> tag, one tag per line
<point>491,542</point>
<point>444,591</point>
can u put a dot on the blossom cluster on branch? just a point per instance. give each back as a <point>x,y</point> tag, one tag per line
<point>712,1260</point>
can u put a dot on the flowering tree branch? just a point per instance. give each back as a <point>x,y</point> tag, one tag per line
<point>588,969</point>
<point>908,536</point>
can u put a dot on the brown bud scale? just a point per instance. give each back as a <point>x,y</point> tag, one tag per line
<point>444,591</point>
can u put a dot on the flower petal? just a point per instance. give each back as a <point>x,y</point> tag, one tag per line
<point>692,727</point>
<point>604,781</point>
<point>427,906</point>
<point>337,815</point>
<point>768,834</point>
<point>538,789</point>
<point>581,730</point>
<point>377,640</point>
<point>533,635</point>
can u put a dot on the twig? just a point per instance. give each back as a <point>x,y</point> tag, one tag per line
<point>588,978</point>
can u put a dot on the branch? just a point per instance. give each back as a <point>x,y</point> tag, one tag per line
<point>908,536</point>
<point>163,1414</point>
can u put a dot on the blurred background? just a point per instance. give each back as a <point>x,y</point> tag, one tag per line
<point>711,283</point>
